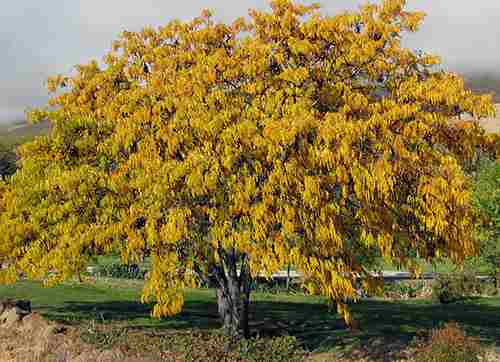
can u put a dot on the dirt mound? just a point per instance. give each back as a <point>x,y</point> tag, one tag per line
<point>27,337</point>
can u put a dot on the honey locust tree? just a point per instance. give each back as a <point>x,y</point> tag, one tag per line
<point>226,151</point>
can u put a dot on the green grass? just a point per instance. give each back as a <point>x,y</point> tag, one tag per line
<point>306,317</point>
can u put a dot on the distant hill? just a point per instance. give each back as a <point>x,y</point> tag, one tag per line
<point>484,83</point>
<point>20,132</point>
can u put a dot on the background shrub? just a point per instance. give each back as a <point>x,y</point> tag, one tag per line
<point>453,287</point>
<point>276,286</point>
<point>486,200</point>
<point>7,160</point>
<point>122,271</point>
<point>406,288</point>
<point>450,344</point>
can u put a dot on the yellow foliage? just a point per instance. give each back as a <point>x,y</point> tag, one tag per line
<point>266,137</point>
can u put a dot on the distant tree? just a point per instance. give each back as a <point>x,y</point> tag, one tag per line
<point>224,151</point>
<point>7,161</point>
<point>487,202</point>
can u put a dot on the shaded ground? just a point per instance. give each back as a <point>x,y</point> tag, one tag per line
<point>306,318</point>
<point>312,324</point>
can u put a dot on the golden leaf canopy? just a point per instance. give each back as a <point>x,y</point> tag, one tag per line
<point>290,137</point>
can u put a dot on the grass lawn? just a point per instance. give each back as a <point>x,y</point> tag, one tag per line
<point>306,317</point>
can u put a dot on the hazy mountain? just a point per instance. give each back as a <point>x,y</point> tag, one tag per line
<point>12,134</point>
<point>484,82</point>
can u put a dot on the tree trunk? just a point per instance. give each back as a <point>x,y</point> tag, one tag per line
<point>233,297</point>
<point>233,311</point>
<point>288,278</point>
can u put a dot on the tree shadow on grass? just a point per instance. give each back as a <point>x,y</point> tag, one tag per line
<point>201,315</point>
<point>313,324</point>
<point>399,321</point>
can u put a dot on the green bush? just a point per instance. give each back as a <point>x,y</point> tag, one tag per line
<point>276,286</point>
<point>277,349</point>
<point>453,287</point>
<point>121,271</point>
<point>213,346</point>
<point>450,344</point>
<point>7,161</point>
<point>409,289</point>
<point>489,288</point>
<point>192,345</point>
<point>486,200</point>
<point>201,346</point>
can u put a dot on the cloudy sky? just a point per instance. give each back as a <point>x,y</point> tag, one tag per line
<point>38,41</point>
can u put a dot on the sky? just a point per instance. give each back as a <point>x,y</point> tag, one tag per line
<point>38,41</point>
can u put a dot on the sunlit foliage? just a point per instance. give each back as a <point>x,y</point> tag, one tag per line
<point>288,137</point>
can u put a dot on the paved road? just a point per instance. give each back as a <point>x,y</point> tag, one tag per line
<point>387,274</point>
<point>396,275</point>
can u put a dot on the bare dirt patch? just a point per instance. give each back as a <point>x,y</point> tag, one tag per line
<point>27,337</point>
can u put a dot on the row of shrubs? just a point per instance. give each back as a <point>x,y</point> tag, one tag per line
<point>449,288</point>
<point>445,288</point>
<point>119,271</point>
